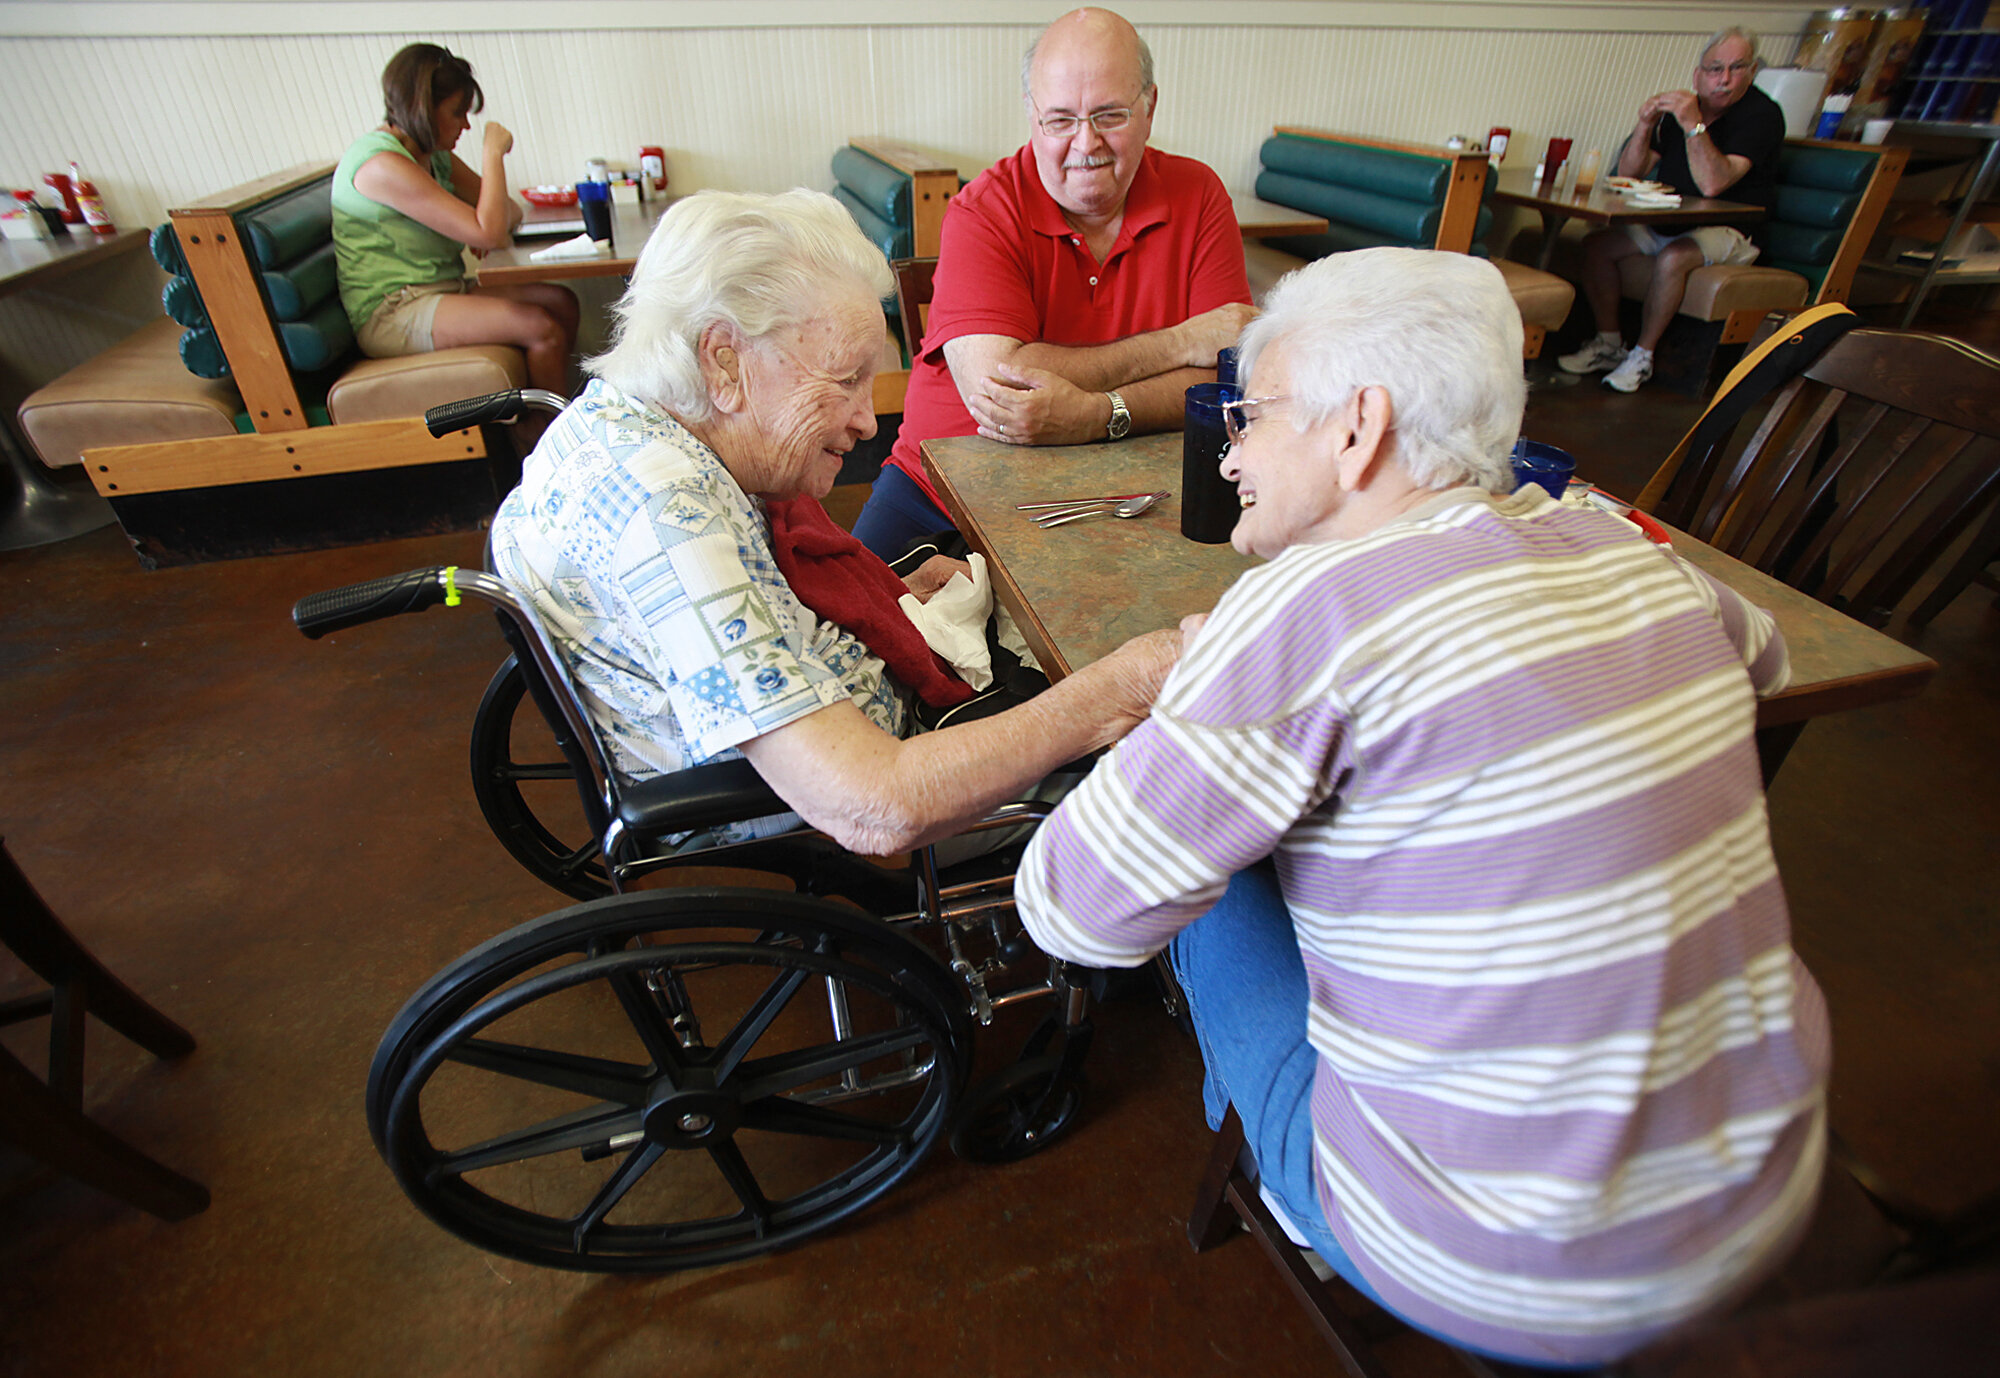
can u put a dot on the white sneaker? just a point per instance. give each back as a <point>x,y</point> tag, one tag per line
<point>1636,369</point>
<point>1594,357</point>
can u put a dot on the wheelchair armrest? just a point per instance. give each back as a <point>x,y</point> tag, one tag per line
<point>696,798</point>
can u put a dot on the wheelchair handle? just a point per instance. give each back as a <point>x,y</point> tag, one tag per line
<point>494,407</point>
<point>316,614</point>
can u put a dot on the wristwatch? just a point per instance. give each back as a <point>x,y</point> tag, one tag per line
<point>1701,127</point>
<point>1121,418</point>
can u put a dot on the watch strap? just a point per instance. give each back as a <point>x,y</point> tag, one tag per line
<point>1701,127</point>
<point>1120,424</point>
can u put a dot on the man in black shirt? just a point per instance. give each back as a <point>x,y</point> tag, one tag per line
<point>1721,138</point>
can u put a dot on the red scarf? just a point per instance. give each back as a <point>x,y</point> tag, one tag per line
<point>848,584</point>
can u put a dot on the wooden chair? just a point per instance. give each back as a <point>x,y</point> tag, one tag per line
<point>1863,474</point>
<point>914,279</point>
<point>46,1119</point>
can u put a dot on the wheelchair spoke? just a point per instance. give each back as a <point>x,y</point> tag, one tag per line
<point>629,1172</point>
<point>580,1129</point>
<point>771,1076</point>
<point>650,1022</point>
<point>619,1082</point>
<point>756,1020</point>
<point>577,862</point>
<point>743,1182</point>
<point>781,1116</point>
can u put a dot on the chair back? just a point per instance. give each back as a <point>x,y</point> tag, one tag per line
<point>1866,469</point>
<point>914,278</point>
<point>1831,197</point>
<point>1374,192</point>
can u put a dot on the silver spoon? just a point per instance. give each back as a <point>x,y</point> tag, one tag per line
<point>1131,507</point>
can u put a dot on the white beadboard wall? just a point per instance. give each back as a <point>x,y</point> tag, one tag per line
<point>163,103</point>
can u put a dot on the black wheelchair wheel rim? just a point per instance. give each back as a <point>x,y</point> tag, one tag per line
<point>569,860</point>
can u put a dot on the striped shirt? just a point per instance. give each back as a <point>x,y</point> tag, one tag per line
<point>1571,1077</point>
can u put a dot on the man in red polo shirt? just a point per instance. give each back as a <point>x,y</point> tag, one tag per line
<point>1083,284</point>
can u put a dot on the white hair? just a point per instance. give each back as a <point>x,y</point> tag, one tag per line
<point>1439,332</point>
<point>1723,36</point>
<point>753,263</point>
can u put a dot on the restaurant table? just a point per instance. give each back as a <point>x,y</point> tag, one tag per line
<point>34,508</point>
<point>1600,205</point>
<point>1080,591</point>
<point>1268,220</point>
<point>630,226</point>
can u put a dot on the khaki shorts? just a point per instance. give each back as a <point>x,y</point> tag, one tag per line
<point>402,323</point>
<point>1718,243</point>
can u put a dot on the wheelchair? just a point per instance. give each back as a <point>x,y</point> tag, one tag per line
<point>666,1078</point>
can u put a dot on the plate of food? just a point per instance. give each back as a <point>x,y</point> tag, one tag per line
<point>1628,185</point>
<point>549,196</point>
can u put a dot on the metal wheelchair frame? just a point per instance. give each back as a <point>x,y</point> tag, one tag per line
<point>678,1146</point>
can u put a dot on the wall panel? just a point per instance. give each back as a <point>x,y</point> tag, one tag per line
<point>180,111</point>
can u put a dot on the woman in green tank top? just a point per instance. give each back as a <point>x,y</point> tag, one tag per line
<point>403,207</point>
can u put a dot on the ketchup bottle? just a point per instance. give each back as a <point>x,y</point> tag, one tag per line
<point>90,203</point>
<point>59,183</point>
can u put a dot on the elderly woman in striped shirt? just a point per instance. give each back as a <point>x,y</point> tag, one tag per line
<point>1451,814</point>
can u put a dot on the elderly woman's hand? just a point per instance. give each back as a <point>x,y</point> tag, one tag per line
<point>1131,677</point>
<point>933,574</point>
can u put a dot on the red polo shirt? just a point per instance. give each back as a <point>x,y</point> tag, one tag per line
<point>1010,265</point>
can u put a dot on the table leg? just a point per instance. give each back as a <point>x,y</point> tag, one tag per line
<point>1551,227</point>
<point>36,509</point>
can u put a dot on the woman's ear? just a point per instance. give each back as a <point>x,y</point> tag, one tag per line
<point>1367,418</point>
<point>722,368</point>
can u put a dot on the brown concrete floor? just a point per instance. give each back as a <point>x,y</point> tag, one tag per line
<point>275,841</point>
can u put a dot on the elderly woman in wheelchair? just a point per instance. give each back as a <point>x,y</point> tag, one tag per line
<point>648,1081</point>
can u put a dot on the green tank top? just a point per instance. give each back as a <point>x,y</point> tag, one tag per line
<point>379,249</point>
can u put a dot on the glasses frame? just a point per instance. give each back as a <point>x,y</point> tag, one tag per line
<point>1119,115</point>
<point>1717,69</point>
<point>1237,419</point>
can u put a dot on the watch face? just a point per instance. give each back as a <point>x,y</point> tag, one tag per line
<point>1121,417</point>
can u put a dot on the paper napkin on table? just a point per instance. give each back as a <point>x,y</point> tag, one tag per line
<point>1653,200</point>
<point>583,246</point>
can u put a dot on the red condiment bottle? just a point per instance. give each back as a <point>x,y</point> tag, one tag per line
<point>90,203</point>
<point>58,183</point>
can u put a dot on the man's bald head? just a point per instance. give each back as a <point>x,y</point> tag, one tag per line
<point>1089,25</point>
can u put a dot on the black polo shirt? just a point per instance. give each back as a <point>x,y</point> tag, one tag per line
<point>1753,128</point>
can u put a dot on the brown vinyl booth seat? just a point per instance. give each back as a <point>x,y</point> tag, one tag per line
<point>248,423</point>
<point>1374,192</point>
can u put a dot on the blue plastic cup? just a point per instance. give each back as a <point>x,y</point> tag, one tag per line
<point>1535,462</point>
<point>593,200</point>
<point>1209,508</point>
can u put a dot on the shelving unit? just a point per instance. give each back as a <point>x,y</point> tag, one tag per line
<point>1934,273</point>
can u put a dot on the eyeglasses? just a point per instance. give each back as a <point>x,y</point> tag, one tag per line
<point>1716,69</point>
<point>1063,126</point>
<point>1238,417</point>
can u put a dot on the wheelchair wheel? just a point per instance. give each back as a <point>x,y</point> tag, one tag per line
<point>669,1079</point>
<point>1018,1111</point>
<point>523,784</point>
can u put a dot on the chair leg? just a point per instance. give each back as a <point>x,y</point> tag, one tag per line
<point>1208,1224</point>
<point>1224,1184</point>
<point>61,1137</point>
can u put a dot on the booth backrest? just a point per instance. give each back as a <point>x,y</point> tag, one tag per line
<point>895,194</point>
<point>1373,192</point>
<point>1822,186</point>
<point>289,242</point>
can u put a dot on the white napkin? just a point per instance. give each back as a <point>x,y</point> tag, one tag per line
<point>1653,200</point>
<point>954,622</point>
<point>583,246</point>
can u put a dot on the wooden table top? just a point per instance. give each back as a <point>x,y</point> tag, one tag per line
<point>1080,591</point>
<point>28,263</point>
<point>1600,205</point>
<point>630,225</point>
<point>1268,220</point>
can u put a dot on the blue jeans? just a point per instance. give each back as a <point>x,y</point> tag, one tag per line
<point>897,514</point>
<point>1245,982</point>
